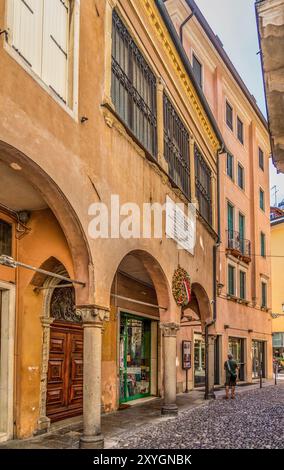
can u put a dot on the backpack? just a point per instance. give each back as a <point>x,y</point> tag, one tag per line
<point>233,374</point>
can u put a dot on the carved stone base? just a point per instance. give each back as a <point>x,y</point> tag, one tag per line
<point>43,426</point>
<point>169,410</point>
<point>92,442</point>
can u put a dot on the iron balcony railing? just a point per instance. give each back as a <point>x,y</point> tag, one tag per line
<point>237,243</point>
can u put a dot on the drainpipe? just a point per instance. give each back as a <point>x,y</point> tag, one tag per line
<point>210,393</point>
<point>183,25</point>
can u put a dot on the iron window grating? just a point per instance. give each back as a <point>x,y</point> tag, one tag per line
<point>5,238</point>
<point>203,185</point>
<point>133,87</point>
<point>176,147</point>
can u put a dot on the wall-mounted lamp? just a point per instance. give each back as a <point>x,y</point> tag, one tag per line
<point>24,217</point>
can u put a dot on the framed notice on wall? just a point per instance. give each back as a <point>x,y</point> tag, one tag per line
<point>186,354</point>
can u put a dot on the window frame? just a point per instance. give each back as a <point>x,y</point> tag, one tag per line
<point>228,105</point>
<point>229,154</point>
<point>126,79</point>
<point>262,244</point>
<point>261,153</point>
<point>232,269</point>
<point>179,153</point>
<point>71,107</point>
<point>263,285</point>
<point>202,193</point>
<point>261,199</point>
<point>244,274</point>
<point>196,59</point>
<point>229,204</point>
<point>240,122</point>
<point>10,225</point>
<point>240,166</point>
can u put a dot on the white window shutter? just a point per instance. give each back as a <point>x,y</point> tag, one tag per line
<point>27,31</point>
<point>55,46</point>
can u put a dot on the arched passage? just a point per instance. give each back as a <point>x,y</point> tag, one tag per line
<point>46,232</point>
<point>196,316</point>
<point>134,347</point>
<point>19,170</point>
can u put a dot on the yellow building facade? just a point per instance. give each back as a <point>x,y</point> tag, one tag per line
<point>277,266</point>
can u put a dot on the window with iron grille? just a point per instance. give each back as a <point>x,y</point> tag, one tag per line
<point>176,147</point>
<point>133,87</point>
<point>203,186</point>
<point>5,238</point>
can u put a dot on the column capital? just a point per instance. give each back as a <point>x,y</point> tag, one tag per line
<point>46,321</point>
<point>169,329</point>
<point>93,314</point>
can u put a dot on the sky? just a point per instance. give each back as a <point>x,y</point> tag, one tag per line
<point>235,24</point>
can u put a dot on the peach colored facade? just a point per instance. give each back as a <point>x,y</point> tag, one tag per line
<point>243,318</point>
<point>55,165</point>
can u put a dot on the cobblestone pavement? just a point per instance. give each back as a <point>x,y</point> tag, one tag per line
<point>254,420</point>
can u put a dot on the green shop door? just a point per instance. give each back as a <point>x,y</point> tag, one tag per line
<point>135,357</point>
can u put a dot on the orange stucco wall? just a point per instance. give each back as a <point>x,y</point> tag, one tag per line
<point>219,85</point>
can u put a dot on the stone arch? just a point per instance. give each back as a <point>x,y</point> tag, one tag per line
<point>200,304</point>
<point>159,279</point>
<point>64,213</point>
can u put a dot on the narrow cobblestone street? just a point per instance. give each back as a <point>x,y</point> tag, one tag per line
<point>254,420</point>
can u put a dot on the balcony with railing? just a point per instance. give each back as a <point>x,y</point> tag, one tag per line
<point>238,246</point>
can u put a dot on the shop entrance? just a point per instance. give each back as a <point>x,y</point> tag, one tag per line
<point>199,361</point>
<point>258,358</point>
<point>135,357</point>
<point>237,349</point>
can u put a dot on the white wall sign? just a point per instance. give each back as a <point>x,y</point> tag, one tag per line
<point>179,226</point>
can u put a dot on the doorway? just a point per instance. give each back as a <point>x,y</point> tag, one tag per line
<point>134,357</point>
<point>64,398</point>
<point>7,325</point>
<point>258,358</point>
<point>237,349</point>
<point>199,361</point>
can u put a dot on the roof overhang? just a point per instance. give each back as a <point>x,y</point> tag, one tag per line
<point>270,21</point>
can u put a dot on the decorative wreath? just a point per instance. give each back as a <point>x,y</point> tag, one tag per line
<point>181,287</point>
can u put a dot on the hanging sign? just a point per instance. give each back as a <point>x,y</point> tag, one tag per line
<point>181,287</point>
<point>186,354</point>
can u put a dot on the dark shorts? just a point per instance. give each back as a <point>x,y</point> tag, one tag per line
<point>231,381</point>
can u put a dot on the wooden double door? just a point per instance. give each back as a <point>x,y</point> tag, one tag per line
<point>65,371</point>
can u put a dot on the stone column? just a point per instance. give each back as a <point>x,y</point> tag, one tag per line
<point>170,369</point>
<point>44,421</point>
<point>93,318</point>
<point>211,365</point>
